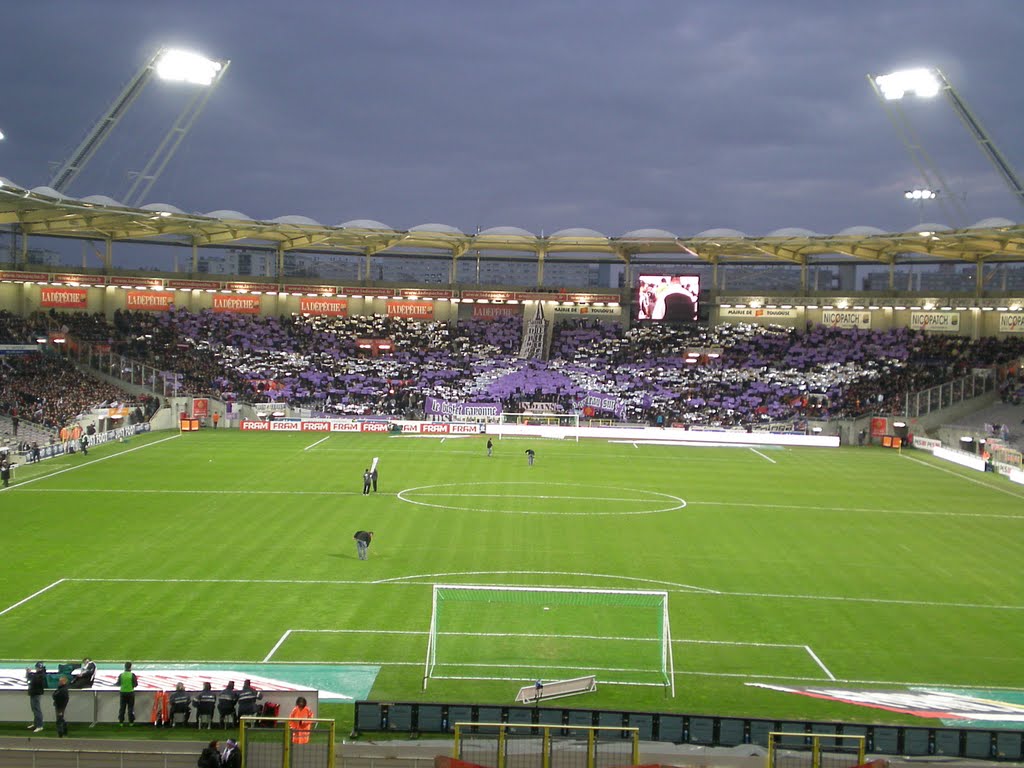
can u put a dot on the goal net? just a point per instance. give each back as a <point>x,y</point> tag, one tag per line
<point>554,425</point>
<point>525,634</point>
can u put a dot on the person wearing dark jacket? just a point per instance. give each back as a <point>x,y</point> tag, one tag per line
<point>363,539</point>
<point>60,704</point>
<point>210,756</point>
<point>247,699</point>
<point>180,702</point>
<point>226,701</point>
<point>83,676</point>
<point>205,702</point>
<point>36,687</point>
<point>231,757</point>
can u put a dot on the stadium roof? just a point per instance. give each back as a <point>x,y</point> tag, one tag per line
<point>44,212</point>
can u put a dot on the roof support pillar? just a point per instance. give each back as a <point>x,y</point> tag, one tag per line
<point>195,257</point>
<point>280,262</point>
<point>803,278</point>
<point>108,254</point>
<point>979,281</point>
<point>541,253</point>
<point>892,275</point>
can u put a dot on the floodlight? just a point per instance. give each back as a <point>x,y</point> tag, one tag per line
<point>187,67</point>
<point>923,83</point>
<point>1,135</point>
<point>921,194</point>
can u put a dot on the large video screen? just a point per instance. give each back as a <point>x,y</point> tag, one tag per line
<point>670,298</point>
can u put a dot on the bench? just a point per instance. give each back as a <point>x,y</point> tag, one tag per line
<point>556,689</point>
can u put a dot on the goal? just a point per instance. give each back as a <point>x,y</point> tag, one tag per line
<point>523,634</point>
<point>555,425</point>
<point>280,742</point>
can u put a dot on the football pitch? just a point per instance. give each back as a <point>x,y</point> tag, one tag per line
<point>860,568</point>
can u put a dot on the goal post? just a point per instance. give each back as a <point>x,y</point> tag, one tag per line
<point>284,742</point>
<point>553,425</point>
<point>524,634</point>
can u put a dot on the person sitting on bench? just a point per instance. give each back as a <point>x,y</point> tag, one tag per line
<point>205,702</point>
<point>181,704</point>
<point>83,676</point>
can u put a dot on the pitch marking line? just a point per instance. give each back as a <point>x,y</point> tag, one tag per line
<point>447,574</point>
<point>314,445</point>
<point>773,461</point>
<point>1007,491</point>
<point>34,594</point>
<point>90,463</point>
<point>819,662</point>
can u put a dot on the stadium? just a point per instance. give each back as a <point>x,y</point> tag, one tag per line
<point>783,516</point>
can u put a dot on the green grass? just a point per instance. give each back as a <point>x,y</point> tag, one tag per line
<point>895,570</point>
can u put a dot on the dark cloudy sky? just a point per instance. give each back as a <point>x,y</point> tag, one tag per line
<point>542,114</point>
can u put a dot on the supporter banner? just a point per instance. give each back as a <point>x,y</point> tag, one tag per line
<point>948,322</point>
<point>65,298</point>
<point>417,309</point>
<point>1011,322</point>
<point>149,300</point>
<point>437,407</point>
<point>200,407</point>
<point>323,306</point>
<point>588,311</point>
<point>601,402</point>
<point>22,276</point>
<point>193,285</point>
<point>879,426</point>
<point>492,311</point>
<point>264,287</point>
<point>149,282</point>
<point>426,293</point>
<point>249,305</point>
<point>749,313</point>
<point>841,318</point>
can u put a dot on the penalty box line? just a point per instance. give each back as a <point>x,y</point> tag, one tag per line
<point>680,641</point>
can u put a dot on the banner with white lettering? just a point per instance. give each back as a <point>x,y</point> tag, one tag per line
<point>420,310</point>
<point>599,401</point>
<point>842,318</point>
<point>224,302</point>
<point>947,322</point>
<point>149,300</point>
<point>436,407</point>
<point>64,298</point>
<point>492,311</point>
<point>319,305</point>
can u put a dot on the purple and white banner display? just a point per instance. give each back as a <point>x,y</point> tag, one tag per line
<point>436,407</point>
<point>602,402</point>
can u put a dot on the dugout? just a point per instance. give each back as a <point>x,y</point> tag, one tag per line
<point>92,706</point>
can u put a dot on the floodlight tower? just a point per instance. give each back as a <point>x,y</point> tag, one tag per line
<point>929,82</point>
<point>166,64</point>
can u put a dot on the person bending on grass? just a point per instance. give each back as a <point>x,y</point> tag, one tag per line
<point>529,456</point>
<point>363,539</point>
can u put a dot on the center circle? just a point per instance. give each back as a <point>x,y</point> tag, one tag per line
<point>599,499</point>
